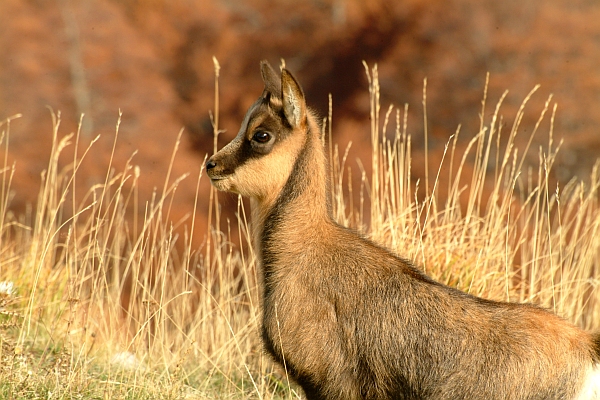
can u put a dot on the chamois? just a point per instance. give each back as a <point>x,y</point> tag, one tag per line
<point>349,319</point>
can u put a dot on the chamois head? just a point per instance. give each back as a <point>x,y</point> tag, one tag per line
<point>259,160</point>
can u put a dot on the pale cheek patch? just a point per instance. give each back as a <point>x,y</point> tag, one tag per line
<point>264,177</point>
<point>591,385</point>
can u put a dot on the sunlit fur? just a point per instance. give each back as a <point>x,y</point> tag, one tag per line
<point>349,319</point>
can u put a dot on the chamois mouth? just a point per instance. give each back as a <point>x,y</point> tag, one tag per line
<point>218,177</point>
<point>220,182</point>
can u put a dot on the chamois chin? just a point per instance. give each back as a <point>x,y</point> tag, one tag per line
<point>352,320</point>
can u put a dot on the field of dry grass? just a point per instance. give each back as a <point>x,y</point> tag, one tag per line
<point>93,305</point>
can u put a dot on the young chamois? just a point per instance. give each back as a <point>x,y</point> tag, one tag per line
<point>349,319</point>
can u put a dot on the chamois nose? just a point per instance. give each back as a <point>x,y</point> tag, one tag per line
<point>210,164</point>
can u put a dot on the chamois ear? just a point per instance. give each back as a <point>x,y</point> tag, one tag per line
<point>294,105</point>
<point>271,80</point>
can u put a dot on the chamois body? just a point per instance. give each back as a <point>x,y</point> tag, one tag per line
<point>349,319</point>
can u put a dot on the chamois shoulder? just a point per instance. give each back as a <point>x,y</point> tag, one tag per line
<point>376,256</point>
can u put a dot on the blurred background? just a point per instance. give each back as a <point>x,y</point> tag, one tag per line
<point>152,59</point>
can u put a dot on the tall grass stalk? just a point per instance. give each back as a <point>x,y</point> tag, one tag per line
<point>112,305</point>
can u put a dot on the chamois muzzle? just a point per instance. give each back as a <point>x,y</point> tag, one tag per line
<point>212,171</point>
<point>218,177</point>
<point>210,164</point>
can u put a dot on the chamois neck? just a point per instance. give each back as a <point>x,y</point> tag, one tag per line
<point>303,198</point>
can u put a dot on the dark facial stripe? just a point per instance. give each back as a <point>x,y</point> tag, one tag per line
<point>260,116</point>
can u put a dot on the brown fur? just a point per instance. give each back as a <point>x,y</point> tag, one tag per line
<point>350,319</point>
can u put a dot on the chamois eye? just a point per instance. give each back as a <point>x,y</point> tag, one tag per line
<point>261,137</point>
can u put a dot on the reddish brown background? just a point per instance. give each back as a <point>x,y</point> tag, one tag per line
<point>152,59</point>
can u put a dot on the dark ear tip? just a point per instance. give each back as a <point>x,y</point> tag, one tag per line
<point>286,76</point>
<point>265,66</point>
<point>271,79</point>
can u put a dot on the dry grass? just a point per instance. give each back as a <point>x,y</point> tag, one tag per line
<point>105,308</point>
